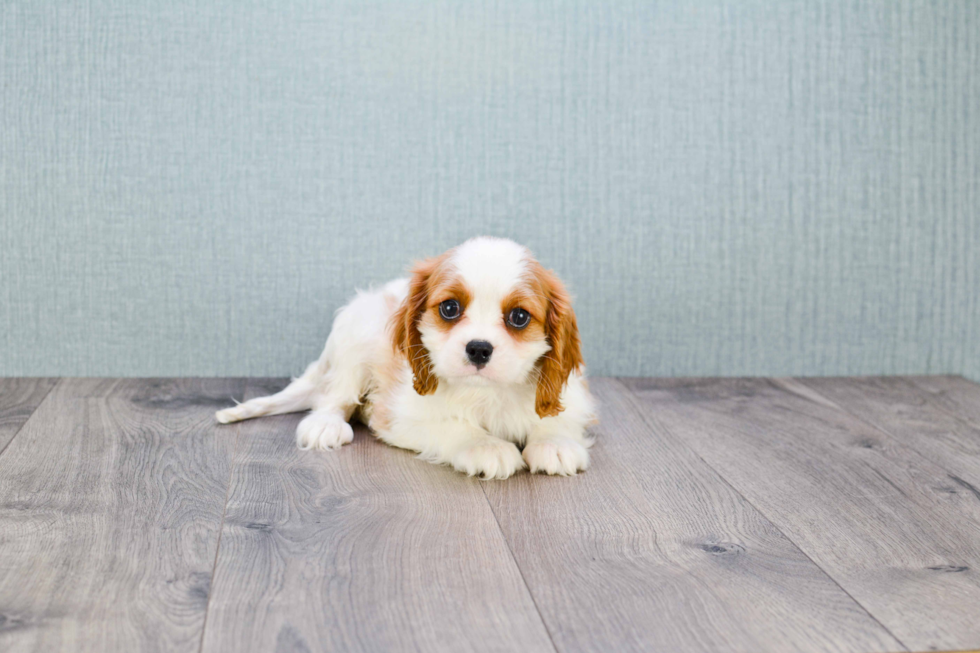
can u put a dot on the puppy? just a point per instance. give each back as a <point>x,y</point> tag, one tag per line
<point>475,355</point>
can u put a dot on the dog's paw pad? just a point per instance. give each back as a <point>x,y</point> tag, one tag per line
<point>323,432</point>
<point>561,456</point>
<point>492,459</point>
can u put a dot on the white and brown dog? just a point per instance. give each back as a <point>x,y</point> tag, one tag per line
<point>474,355</point>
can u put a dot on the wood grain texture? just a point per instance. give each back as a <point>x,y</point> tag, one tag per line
<point>110,508</point>
<point>917,419</point>
<point>872,512</point>
<point>19,397</point>
<point>362,549</point>
<point>956,395</point>
<point>650,550</point>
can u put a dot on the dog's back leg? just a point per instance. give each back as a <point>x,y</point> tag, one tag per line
<point>332,394</point>
<point>345,376</point>
<point>297,396</point>
<point>334,385</point>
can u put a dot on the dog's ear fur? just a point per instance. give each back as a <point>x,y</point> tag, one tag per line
<point>565,356</point>
<point>405,334</point>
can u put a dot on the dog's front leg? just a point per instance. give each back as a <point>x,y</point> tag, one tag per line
<point>557,445</point>
<point>468,448</point>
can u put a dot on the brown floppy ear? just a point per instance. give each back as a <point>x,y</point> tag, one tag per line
<point>566,348</point>
<point>405,335</point>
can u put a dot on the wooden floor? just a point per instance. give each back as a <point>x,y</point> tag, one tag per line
<point>717,515</point>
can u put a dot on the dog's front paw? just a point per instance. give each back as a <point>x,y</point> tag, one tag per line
<point>323,431</point>
<point>562,456</point>
<point>488,459</point>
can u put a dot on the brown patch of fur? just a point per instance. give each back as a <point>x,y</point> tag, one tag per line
<point>405,334</point>
<point>561,330</point>
<point>536,304</point>
<point>442,286</point>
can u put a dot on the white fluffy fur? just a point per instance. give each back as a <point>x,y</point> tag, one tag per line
<point>476,419</point>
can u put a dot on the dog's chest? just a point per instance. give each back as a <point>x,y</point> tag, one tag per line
<point>503,412</point>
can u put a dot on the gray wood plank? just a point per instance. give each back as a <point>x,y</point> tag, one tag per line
<point>111,500</point>
<point>956,395</point>
<point>650,550</point>
<point>914,417</point>
<point>362,549</point>
<point>872,512</point>
<point>19,397</point>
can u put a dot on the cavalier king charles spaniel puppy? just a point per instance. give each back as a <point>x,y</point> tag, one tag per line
<point>474,356</point>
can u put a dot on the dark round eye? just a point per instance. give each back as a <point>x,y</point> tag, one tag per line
<point>518,318</point>
<point>449,309</point>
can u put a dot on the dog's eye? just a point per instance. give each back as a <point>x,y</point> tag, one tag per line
<point>449,309</point>
<point>518,318</point>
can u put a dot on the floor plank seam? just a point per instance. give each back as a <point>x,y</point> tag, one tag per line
<point>520,571</point>
<point>33,412</point>
<point>642,412</point>
<point>221,527</point>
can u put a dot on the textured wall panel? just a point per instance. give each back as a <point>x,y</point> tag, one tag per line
<point>729,187</point>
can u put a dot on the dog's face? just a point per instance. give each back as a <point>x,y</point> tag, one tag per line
<point>487,313</point>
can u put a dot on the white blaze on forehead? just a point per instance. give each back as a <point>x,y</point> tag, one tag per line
<point>490,267</point>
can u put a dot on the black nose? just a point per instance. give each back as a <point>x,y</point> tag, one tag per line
<point>478,351</point>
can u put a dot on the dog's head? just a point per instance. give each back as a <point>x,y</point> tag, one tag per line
<point>486,312</point>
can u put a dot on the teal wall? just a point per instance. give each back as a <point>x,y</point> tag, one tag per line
<point>192,188</point>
